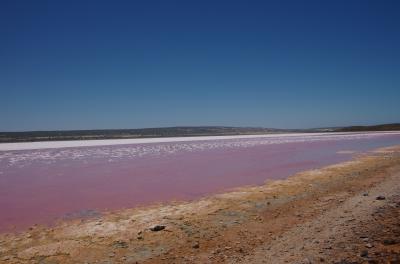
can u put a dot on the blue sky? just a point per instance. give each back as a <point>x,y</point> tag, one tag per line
<point>130,64</point>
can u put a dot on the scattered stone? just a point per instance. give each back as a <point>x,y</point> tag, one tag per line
<point>365,194</point>
<point>120,244</point>
<point>111,255</point>
<point>345,262</point>
<point>157,228</point>
<point>364,253</point>
<point>380,197</point>
<point>196,245</point>
<point>389,242</point>
<point>369,245</point>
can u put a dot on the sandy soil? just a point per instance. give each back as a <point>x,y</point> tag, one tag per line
<point>346,213</point>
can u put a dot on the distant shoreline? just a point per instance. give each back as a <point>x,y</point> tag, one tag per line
<point>111,142</point>
<point>172,132</point>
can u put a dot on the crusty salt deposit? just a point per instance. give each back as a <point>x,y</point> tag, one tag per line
<point>109,142</point>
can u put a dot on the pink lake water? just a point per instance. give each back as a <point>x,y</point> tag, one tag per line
<point>44,185</point>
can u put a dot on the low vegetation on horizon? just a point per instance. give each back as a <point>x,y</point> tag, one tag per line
<point>31,136</point>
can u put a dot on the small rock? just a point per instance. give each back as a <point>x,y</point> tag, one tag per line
<point>368,245</point>
<point>364,253</point>
<point>157,228</point>
<point>389,242</point>
<point>196,245</point>
<point>365,194</point>
<point>120,244</point>
<point>380,197</point>
<point>111,255</point>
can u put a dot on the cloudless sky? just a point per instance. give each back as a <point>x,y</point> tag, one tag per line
<point>130,64</point>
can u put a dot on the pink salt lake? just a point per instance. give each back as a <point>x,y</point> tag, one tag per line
<point>40,186</point>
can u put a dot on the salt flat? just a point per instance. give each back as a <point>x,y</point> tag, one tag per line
<point>109,142</point>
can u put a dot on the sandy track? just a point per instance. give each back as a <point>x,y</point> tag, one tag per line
<point>352,231</point>
<point>330,215</point>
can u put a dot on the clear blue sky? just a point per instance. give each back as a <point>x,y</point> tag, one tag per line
<point>129,64</point>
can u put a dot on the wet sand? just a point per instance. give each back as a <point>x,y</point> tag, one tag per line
<point>344,213</point>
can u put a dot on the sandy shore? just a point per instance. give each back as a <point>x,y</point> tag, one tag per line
<point>346,213</point>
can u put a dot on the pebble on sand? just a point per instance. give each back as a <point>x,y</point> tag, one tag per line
<point>157,228</point>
